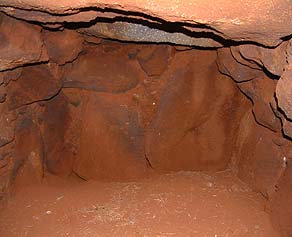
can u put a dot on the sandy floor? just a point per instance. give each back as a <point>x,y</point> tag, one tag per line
<point>179,204</point>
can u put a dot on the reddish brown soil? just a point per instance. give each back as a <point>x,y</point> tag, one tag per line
<point>178,204</point>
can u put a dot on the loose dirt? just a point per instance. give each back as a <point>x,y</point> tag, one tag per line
<point>178,204</point>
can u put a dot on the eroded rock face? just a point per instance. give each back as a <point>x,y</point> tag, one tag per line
<point>260,167</point>
<point>36,83</point>
<point>175,102</point>
<point>154,61</point>
<point>281,213</point>
<point>284,87</point>
<point>196,118</point>
<point>7,125</point>
<point>264,22</point>
<point>29,152</point>
<point>273,60</point>
<point>63,46</point>
<point>111,141</point>
<point>7,164</point>
<point>231,66</point>
<point>284,92</point>
<point>55,123</point>
<point>74,104</point>
<point>96,64</point>
<point>132,32</point>
<point>21,44</point>
<point>123,132</point>
<point>254,83</point>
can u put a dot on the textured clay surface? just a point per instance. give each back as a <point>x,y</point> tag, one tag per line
<point>179,204</point>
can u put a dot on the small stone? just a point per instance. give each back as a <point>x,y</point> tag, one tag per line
<point>59,198</point>
<point>3,98</point>
<point>210,185</point>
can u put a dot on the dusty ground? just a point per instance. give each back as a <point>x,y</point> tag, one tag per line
<point>179,204</point>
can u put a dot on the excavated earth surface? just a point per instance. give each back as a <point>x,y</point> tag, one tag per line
<point>177,204</point>
<point>138,118</point>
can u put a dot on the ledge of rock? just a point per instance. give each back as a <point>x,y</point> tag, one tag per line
<point>266,23</point>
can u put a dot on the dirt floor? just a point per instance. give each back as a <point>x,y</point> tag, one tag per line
<point>178,204</point>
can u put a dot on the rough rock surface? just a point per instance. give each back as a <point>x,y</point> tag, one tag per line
<point>29,152</point>
<point>228,65</point>
<point>287,127</point>
<point>36,83</point>
<point>153,124</point>
<point>273,60</point>
<point>254,83</point>
<point>154,61</point>
<point>122,123</point>
<point>58,150</point>
<point>76,105</point>
<point>281,212</point>
<point>261,92</point>
<point>96,64</point>
<point>188,132</point>
<point>9,75</point>
<point>284,93</point>
<point>7,125</point>
<point>51,21</point>
<point>261,21</point>
<point>111,144</point>
<point>63,46</point>
<point>128,31</point>
<point>21,44</point>
<point>260,167</point>
<point>7,162</point>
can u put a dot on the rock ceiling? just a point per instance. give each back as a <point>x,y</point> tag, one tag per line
<point>264,22</point>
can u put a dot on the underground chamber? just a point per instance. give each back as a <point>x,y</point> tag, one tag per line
<point>122,127</point>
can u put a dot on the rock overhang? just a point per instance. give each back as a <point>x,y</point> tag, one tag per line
<point>262,22</point>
